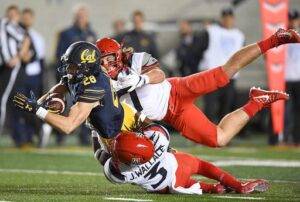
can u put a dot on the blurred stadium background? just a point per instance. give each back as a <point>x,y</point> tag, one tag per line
<point>26,174</point>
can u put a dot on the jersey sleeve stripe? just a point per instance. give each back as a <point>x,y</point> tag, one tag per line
<point>146,69</point>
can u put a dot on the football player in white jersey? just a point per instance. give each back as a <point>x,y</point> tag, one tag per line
<point>144,159</point>
<point>172,100</point>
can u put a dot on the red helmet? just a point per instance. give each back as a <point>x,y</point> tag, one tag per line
<point>108,46</point>
<point>131,148</point>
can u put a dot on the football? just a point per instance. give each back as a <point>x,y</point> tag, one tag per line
<point>55,103</point>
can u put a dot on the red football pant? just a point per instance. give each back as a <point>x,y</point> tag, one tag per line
<point>184,115</point>
<point>189,165</point>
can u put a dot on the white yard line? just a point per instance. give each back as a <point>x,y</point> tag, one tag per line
<point>240,197</point>
<point>55,172</point>
<point>258,163</point>
<point>126,199</point>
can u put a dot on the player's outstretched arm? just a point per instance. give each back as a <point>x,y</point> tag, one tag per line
<point>135,80</point>
<point>148,72</point>
<point>77,115</point>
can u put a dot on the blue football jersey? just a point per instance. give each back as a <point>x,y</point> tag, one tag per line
<point>107,118</point>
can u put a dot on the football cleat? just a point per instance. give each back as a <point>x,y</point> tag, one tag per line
<point>265,98</point>
<point>254,186</point>
<point>286,36</point>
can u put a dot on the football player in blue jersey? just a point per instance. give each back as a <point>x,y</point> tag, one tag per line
<point>92,94</point>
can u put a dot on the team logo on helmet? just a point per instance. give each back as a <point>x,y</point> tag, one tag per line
<point>88,56</point>
<point>136,160</point>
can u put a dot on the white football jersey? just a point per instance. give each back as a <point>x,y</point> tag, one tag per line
<point>154,175</point>
<point>153,98</point>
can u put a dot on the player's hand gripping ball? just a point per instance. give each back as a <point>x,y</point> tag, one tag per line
<point>55,103</point>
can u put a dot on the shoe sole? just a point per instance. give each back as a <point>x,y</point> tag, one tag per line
<point>284,94</point>
<point>261,187</point>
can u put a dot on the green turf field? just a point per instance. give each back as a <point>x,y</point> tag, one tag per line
<point>71,174</point>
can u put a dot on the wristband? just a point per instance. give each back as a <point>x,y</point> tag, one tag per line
<point>41,113</point>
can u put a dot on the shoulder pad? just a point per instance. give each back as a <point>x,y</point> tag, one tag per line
<point>148,60</point>
<point>91,90</point>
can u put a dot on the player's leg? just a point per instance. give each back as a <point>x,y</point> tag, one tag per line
<point>229,181</point>
<point>233,122</point>
<point>210,80</point>
<point>211,171</point>
<point>194,125</point>
<point>189,165</point>
<point>192,86</point>
<point>197,166</point>
<point>249,53</point>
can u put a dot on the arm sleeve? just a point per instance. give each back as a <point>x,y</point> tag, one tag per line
<point>148,63</point>
<point>112,174</point>
<point>91,95</point>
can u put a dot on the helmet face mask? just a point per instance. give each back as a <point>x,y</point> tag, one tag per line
<point>110,63</point>
<point>111,48</point>
<point>72,73</point>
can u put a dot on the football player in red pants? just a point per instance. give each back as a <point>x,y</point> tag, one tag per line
<point>172,100</point>
<point>143,159</point>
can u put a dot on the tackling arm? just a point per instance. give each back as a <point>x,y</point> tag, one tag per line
<point>99,153</point>
<point>151,68</point>
<point>141,73</point>
<point>155,75</point>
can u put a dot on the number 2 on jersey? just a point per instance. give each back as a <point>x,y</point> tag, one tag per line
<point>89,79</point>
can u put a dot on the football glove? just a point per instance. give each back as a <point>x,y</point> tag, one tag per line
<point>26,104</point>
<point>133,80</point>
